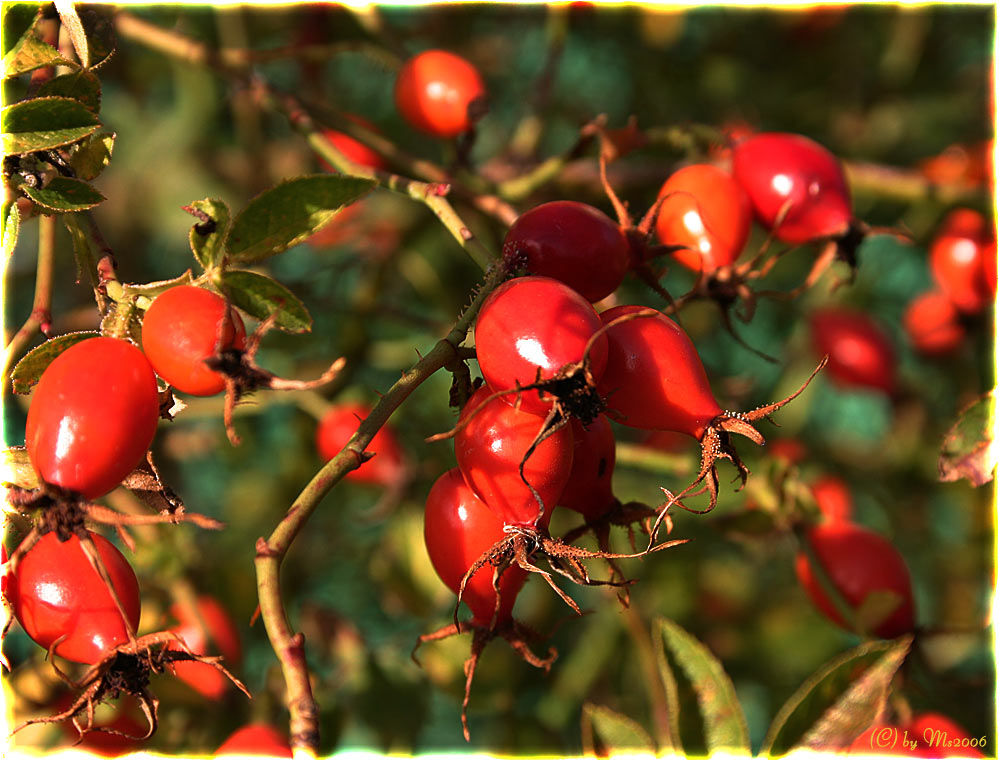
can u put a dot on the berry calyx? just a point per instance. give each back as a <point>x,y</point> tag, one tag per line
<point>440,93</point>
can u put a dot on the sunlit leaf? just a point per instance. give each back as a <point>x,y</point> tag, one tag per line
<point>42,123</point>
<point>74,28</point>
<point>11,227</point>
<point>31,53</point>
<point>17,469</point>
<point>282,216</point>
<point>64,194</point>
<point>969,449</point>
<point>79,85</point>
<point>92,155</point>
<point>208,235</point>
<point>607,733</point>
<point>18,18</point>
<point>723,721</point>
<point>261,296</point>
<point>839,701</point>
<point>27,372</point>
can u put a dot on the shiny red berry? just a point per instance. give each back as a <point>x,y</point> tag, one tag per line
<point>588,490</point>
<point>860,353</point>
<point>339,423</point>
<point>255,740</point>
<point>490,447</point>
<point>706,211</point>
<point>56,594</point>
<point>793,183</point>
<point>182,328</point>
<point>353,149</point>
<point>92,416</point>
<point>859,563</point>
<point>439,93</point>
<point>458,528</point>
<point>208,630</point>
<point>958,264</point>
<point>933,324</point>
<point>833,497</point>
<point>654,377</point>
<point>572,242</point>
<point>535,326</point>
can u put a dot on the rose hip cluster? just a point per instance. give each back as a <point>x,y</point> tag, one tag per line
<point>962,262</point>
<point>72,590</point>
<point>536,436</point>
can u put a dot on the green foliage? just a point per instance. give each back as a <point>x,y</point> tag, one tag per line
<point>723,725</point>
<point>262,297</point>
<point>64,194</point>
<point>839,701</point>
<point>43,123</point>
<point>288,213</point>
<point>27,372</point>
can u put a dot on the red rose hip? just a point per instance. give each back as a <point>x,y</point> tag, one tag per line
<point>181,329</point>
<point>439,93</point>
<point>532,326</point>
<point>92,416</point>
<point>54,592</point>
<point>573,243</point>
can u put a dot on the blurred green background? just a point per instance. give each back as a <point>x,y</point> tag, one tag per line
<point>875,83</point>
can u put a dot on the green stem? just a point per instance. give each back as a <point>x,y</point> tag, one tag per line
<point>41,307</point>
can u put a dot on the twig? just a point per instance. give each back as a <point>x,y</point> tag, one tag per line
<point>41,307</point>
<point>271,551</point>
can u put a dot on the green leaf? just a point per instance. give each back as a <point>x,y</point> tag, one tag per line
<point>724,723</point>
<point>64,194</point>
<point>18,470</point>
<point>98,26</point>
<point>27,372</point>
<point>608,733</point>
<point>18,18</point>
<point>969,449</point>
<point>208,236</point>
<point>42,123</point>
<point>11,227</point>
<point>839,701</point>
<point>83,250</point>
<point>74,28</point>
<point>92,155</point>
<point>261,296</point>
<point>31,53</point>
<point>81,85</point>
<point>282,216</point>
